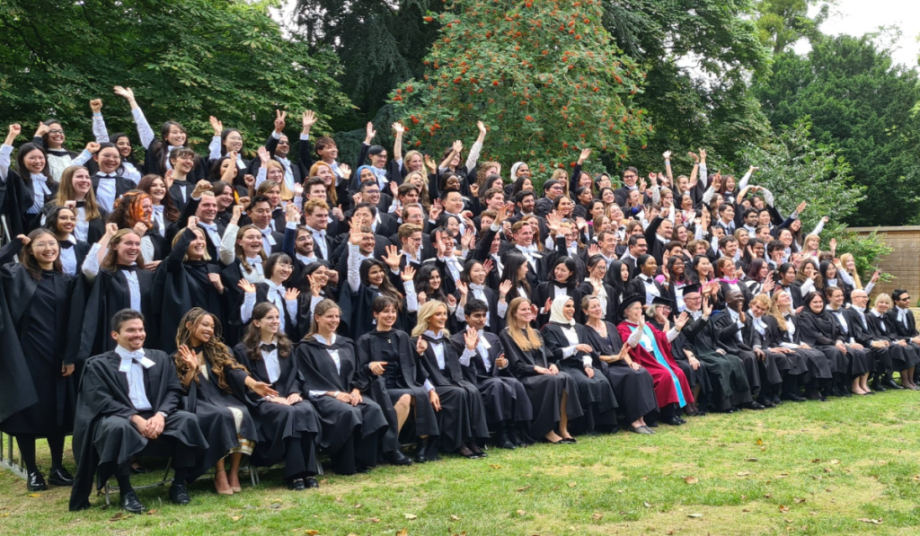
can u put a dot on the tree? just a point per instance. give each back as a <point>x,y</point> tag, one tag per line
<point>796,168</point>
<point>187,59</point>
<point>862,105</point>
<point>545,77</point>
<point>783,22</point>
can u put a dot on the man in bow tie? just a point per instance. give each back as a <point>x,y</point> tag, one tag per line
<point>128,406</point>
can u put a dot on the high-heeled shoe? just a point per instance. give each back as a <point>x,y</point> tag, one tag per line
<point>221,484</point>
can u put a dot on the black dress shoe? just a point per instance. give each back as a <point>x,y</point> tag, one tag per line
<point>60,477</point>
<point>131,504</point>
<point>297,485</point>
<point>503,441</point>
<point>794,397</point>
<point>877,386</point>
<point>889,383</point>
<point>362,469</point>
<point>672,420</point>
<point>397,458</point>
<point>36,482</point>
<point>476,450</point>
<point>434,447</point>
<point>178,494</point>
<point>653,425</point>
<point>755,406</point>
<point>467,453</point>
<point>311,483</point>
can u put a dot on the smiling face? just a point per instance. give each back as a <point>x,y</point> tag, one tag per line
<point>328,322</point>
<point>66,222</point>
<point>477,274</point>
<point>270,323</point>
<point>523,314</point>
<point>251,243</point>
<point>34,161</point>
<point>176,136</point>
<point>131,335</point>
<point>650,267</point>
<point>233,141</point>
<point>81,182</point>
<point>128,249</point>
<point>108,159</point>
<point>562,273</point>
<point>303,244</point>
<point>599,270</point>
<point>282,271</point>
<point>45,249</point>
<point>203,332</point>
<point>568,310</point>
<point>386,318</point>
<point>437,321</point>
<point>375,275</point>
<point>816,305</point>
<point>198,246</point>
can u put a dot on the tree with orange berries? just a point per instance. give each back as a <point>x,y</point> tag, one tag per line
<point>545,77</point>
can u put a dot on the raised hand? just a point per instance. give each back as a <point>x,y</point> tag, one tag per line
<point>308,120</point>
<point>429,163</point>
<point>585,153</point>
<point>398,128</point>
<point>451,300</point>
<point>467,239</point>
<point>474,189</point>
<point>25,239</point>
<point>291,294</point>
<point>291,213</point>
<point>408,273</point>
<point>801,208</point>
<point>216,125</point>
<point>345,169</point>
<point>187,355</point>
<point>487,265</point>
<point>681,321</point>
<point>124,92</point>
<point>41,130</point>
<point>247,287</point>
<point>504,288</point>
<point>92,147</point>
<point>392,258</point>
<point>667,155</point>
<point>876,276</point>
<point>140,228</point>
<point>315,289</point>
<point>548,305</point>
<point>482,128</point>
<point>264,155</point>
<point>422,298</point>
<point>95,105</point>
<point>421,345</point>
<point>279,121</point>
<point>369,132</point>
<point>215,280</point>
<point>457,146</point>
<point>354,234</point>
<point>471,338</point>
<point>15,130</point>
<point>463,288</point>
<point>201,186</point>
<point>111,229</point>
<point>298,190</point>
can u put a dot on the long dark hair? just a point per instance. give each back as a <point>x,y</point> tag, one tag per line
<point>30,263</point>
<point>252,340</point>
<point>25,149</point>
<point>753,272</point>
<point>685,276</point>
<point>170,212</point>
<point>569,263</point>
<point>113,138</point>
<point>160,147</point>
<point>513,262</point>
<point>215,352</point>
<point>386,288</point>
<point>51,221</point>
<point>423,284</point>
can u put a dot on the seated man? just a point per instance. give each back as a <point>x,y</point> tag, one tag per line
<point>128,406</point>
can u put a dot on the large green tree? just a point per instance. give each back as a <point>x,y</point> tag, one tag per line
<point>863,105</point>
<point>187,59</point>
<point>780,23</point>
<point>546,77</point>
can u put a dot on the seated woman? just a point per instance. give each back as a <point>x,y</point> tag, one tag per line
<point>652,349</point>
<point>553,393</point>
<point>562,283</point>
<point>789,336</point>
<point>632,384</point>
<point>573,354</point>
<point>904,356</point>
<point>819,330</point>
<point>396,382</point>
<point>461,417</point>
<point>216,387</point>
<point>289,425</point>
<point>351,424</point>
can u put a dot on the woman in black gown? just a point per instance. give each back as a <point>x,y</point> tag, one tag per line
<point>563,281</point>
<point>216,386</point>
<point>288,424</point>
<point>278,270</point>
<point>397,383</point>
<point>62,221</point>
<point>350,423</point>
<point>595,285</point>
<point>789,335</point>
<point>632,384</point>
<point>462,414</point>
<point>572,353</point>
<point>187,279</point>
<point>37,391</point>
<point>819,330</point>
<point>553,393</point>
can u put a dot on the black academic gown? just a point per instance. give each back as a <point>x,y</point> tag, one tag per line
<point>815,360</point>
<point>903,357</point>
<point>726,331</point>
<point>37,339</point>
<point>291,328</point>
<point>634,389</point>
<point>463,415</point>
<point>182,286</point>
<point>726,372</point>
<point>15,199</point>
<point>596,395</point>
<point>111,293</point>
<point>104,437</point>
<point>820,332</point>
<point>341,422</point>
<point>545,390</point>
<point>849,332</point>
<point>277,422</point>
<point>504,396</point>
<point>211,404</point>
<point>402,376</point>
<point>547,290</point>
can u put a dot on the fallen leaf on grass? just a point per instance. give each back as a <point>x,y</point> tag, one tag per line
<point>374,519</point>
<point>495,466</point>
<point>828,470</point>
<point>768,495</point>
<point>691,480</point>
<point>751,460</point>
<point>835,462</point>
<point>521,512</point>
<point>403,532</point>
<point>745,510</point>
<point>35,495</point>
<point>816,460</point>
<point>118,517</point>
<point>573,484</point>
<point>236,518</point>
<point>454,517</point>
<point>760,441</point>
<point>873,521</point>
<point>359,505</point>
<point>743,473</point>
<point>783,509</point>
<point>311,532</point>
<point>525,488</point>
<point>6,514</point>
<point>798,501</point>
<point>647,504</point>
<point>695,516</point>
<point>597,516</point>
<point>410,516</point>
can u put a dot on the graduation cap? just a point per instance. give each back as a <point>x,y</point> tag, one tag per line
<point>691,289</point>
<point>662,300</point>
<point>627,301</point>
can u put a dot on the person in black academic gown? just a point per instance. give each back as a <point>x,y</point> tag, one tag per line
<point>730,326</point>
<point>820,331</point>
<point>659,316</point>
<point>62,221</point>
<point>186,279</point>
<point>856,340</point>
<point>903,356</point>
<point>217,387</point>
<point>272,289</point>
<point>563,282</point>
<point>351,423</point>
<point>37,389</point>
<point>129,406</point>
<point>114,268</point>
<point>392,378</point>
<point>508,408</point>
<point>552,392</point>
<point>595,285</point>
<point>632,384</point>
<point>288,424</point>
<point>462,417</point>
<point>788,335</point>
<point>568,341</point>
<point>902,319</point>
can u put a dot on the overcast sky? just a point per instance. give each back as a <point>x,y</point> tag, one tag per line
<point>857,17</point>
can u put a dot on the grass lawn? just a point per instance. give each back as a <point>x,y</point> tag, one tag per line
<point>848,466</point>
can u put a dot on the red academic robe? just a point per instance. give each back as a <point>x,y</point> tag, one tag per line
<point>665,390</point>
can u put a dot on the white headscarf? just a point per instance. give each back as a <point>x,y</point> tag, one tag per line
<point>556,314</point>
<point>514,169</point>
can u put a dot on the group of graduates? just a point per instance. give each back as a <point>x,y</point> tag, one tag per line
<point>211,308</point>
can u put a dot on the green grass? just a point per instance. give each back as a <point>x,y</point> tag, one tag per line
<point>812,468</point>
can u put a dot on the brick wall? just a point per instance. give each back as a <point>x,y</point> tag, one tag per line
<point>903,262</point>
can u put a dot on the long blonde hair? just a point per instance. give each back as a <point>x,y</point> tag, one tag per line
<point>198,231</point>
<point>66,193</point>
<point>855,275</point>
<point>524,336</point>
<point>425,312</point>
<point>321,309</point>
<point>774,310</point>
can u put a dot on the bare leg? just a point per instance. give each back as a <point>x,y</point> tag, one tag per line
<point>220,480</point>
<point>564,418</point>
<point>864,382</point>
<point>854,386</point>
<point>402,406</point>
<point>234,475</point>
